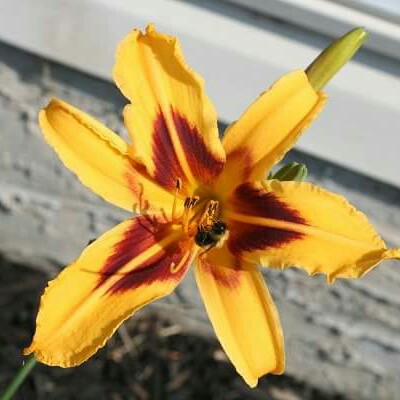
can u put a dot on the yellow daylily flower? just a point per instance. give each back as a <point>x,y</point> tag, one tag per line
<point>201,199</point>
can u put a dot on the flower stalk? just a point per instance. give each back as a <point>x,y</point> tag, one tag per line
<point>19,378</point>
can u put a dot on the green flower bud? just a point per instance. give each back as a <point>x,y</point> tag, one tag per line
<point>291,172</point>
<point>329,62</point>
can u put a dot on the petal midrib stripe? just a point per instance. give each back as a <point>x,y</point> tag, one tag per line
<point>164,104</point>
<point>103,289</point>
<point>300,228</point>
<point>228,321</point>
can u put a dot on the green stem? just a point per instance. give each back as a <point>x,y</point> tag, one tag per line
<point>18,379</point>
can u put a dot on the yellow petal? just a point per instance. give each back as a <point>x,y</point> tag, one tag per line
<point>283,224</point>
<point>100,158</point>
<point>269,128</point>
<point>243,315</point>
<point>138,261</point>
<point>172,122</point>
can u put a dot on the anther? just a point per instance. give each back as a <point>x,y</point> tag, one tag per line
<point>190,203</point>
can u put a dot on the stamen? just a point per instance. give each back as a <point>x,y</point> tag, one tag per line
<point>193,221</point>
<point>178,187</point>
<point>190,203</point>
<point>143,205</point>
<point>164,214</point>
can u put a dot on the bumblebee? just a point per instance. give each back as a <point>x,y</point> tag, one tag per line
<point>208,236</point>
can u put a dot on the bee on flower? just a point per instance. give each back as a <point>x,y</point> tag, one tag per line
<point>202,200</point>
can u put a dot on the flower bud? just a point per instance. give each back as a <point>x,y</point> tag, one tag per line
<point>329,62</point>
<point>291,172</point>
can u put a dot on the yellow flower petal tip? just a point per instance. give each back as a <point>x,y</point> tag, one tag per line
<point>28,350</point>
<point>393,253</point>
<point>334,57</point>
<point>151,27</point>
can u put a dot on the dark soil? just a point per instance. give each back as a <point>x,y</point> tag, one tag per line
<point>149,358</point>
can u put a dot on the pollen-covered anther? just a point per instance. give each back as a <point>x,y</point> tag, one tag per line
<point>189,205</point>
<point>191,202</point>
